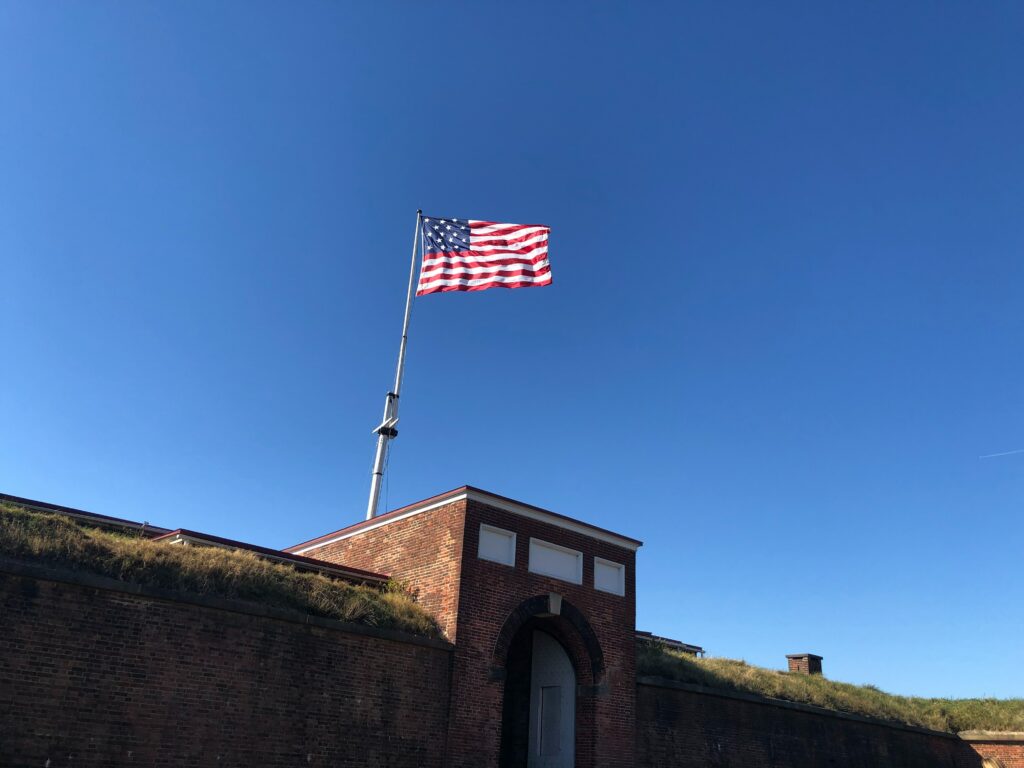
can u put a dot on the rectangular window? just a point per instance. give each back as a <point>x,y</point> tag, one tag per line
<point>609,576</point>
<point>497,545</point>
<point>550,720</point>
<point>552,560</point>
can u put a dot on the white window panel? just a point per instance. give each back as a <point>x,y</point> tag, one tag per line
<point>552,560</point>
<point>497,545</point>
<point>609,576</point>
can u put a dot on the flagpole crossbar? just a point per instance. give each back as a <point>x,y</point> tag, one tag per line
<point>387,427</point>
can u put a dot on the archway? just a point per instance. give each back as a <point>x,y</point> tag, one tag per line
<point>552,664</point>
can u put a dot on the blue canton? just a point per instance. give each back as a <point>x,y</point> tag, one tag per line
<point>445,235</point>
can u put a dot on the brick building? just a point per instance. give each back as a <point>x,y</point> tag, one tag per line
<point>541,611</point>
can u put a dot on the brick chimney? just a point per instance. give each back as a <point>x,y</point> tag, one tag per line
<point>804,663</point>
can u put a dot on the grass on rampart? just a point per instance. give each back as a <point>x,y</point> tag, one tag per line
<point>953,715</point>
<point>56,540</point>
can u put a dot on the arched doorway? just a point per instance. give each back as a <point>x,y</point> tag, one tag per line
<point>546,660</point>
<point>552,731</point>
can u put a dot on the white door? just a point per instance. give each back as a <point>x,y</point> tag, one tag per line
<point>552,705</point>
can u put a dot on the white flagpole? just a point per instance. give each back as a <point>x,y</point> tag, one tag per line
<point>386,431</point>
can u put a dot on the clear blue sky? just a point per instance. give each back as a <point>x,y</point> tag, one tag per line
<point>786,319</point>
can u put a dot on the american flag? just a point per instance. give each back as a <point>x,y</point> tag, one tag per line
<point>468,255</point>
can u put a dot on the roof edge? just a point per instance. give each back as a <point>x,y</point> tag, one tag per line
<point>93,517</point>
<point>1006,737</point>
<point>311,563</point>
<point>473,494</point>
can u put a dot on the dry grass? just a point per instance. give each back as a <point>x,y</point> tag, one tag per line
<point>952,715</point>
<point>56,540</point>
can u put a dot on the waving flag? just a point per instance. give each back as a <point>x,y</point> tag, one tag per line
<point>467,255</point>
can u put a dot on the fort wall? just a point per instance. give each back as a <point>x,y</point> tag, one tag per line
<point>96,672</point>
<point>1002,749</point>
<point>687,726</point>
<point>424,551</point>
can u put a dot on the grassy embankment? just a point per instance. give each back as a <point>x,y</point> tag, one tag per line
<point>58,541</point>
<point>951,715</point>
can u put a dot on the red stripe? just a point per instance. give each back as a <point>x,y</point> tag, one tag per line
<point>452,273</point>
<point>489,259</point>
<point>483,286</point>
<point>503,228</point>
<point>510,242</point>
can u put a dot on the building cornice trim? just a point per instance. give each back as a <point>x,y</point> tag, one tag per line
<point>468,493</point>
<point>369,525</point>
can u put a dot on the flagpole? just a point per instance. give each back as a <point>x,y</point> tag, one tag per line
<point>386,431</point>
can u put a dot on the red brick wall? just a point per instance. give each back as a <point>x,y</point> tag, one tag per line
<point>490,593</point>
<point>436,551</point>
<point>1010,754</point>
<point>424,550</point>
<point>104,677</point>
<point>804,665</point>
<point>678,726</point>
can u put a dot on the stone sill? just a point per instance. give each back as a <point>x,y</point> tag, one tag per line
<point>996,737</point>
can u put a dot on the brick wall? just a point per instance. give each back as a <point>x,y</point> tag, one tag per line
<point>424,550</point>
<point>683,726</point>
<point>491,592</point>
<point>97,673</point>
<point>1005,750</point>
<point>436,551</point>
<point>804,663</point>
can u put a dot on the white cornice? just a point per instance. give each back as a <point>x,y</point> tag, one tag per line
<point>506,505</point>
<point>408,512</point>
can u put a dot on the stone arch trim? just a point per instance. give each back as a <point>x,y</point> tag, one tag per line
<point>540,606</point>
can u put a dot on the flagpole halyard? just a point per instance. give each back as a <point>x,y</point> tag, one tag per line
<point>386,431</point>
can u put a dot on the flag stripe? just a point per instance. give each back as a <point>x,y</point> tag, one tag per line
<point>461,257</point>
<point>511,269</point>
<point>521,244</point>
<point>490,228</point>
<point>463,284</point>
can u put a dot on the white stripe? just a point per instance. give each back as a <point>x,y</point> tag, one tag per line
<point>483,270</point>
<point>478,243</point>
<point>522,229</point>
<point>539,280</point>
<point>483,258</point>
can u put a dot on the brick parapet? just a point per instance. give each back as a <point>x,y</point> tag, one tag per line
<point>15,567</point>
<point>423,550</point>
<point>682,726</point>
<point>796,706</point>
<point>1000,749</point>
<point>96,675</point>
